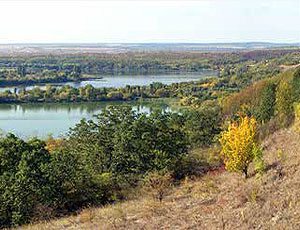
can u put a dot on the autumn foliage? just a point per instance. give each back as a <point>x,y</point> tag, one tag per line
<point>238,144</point>
<point>297,117</point>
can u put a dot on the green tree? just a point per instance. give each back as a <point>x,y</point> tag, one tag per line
<point>21,71</point>
<point>284,101</point>
<point>202,125</point>
<point>23,185</point>
<point>129,144</point>
<point>267,103</point>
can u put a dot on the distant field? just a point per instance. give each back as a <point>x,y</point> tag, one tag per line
<point>128,47</point>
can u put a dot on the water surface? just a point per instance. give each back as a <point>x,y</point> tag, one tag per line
<point>118,81</point>
<point>42,120</point>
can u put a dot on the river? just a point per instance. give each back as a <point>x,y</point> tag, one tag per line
<point>41,120</point>
<point>118,81</point>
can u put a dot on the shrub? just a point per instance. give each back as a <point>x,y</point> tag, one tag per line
<point>158,184</point>
<point>23,184</point>
<point>297,118</point>
<point>202,125</point>
<point>268,128</point>
<point>238,143</point>
<point>76,183</point>
<point>192,165</point>
<point>259,166</point>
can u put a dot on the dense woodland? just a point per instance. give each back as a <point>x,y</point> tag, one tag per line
<point>101,161</point>
<point>31,69</point>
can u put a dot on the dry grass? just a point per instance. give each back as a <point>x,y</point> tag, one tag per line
<point>218,200</point>
<point>289,67</point>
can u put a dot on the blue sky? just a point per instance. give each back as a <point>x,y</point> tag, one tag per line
<point>150,21</point>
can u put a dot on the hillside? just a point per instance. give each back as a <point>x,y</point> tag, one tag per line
<point>218,200</point>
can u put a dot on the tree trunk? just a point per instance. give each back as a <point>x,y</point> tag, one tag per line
<point>245,170</point>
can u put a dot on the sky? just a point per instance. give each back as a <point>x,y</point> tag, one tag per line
<point>188,21</point>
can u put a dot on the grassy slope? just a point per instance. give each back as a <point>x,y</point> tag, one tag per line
<point>219,200</point>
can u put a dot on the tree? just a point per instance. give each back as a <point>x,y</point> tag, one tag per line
<point>115,95</point>
<point>48,91</point>
<point>296,85</point>
<point>22,71</point>
<point>129,144</point>
<point>297,117</point>
<point>267,103</point>
<point>23,183</point>
<point>76,73</point>
<point>238,145</point>
<point>202,125</point>
<point>284,101</point>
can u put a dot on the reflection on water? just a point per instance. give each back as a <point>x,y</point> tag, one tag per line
<point>27,120</point>
<point>123,80</point>
<point>43,119</point>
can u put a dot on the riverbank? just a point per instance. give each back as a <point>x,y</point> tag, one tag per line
<point>41,81</point>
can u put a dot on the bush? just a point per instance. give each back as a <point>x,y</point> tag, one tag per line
<point>269,128</point>
<point>76,184</point>
<point>202,126</point>
<point>238,145</point>
<point>297,118</point>
<point>259,166</point>
<point>23,183</point>
<point>158,184</point>
<point>197,163</point>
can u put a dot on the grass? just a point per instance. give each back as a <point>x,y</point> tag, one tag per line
<point>218,200</point>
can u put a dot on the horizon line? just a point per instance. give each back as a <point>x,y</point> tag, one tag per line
<point>170,42</point>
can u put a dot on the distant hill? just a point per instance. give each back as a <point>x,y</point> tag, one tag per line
<point>61,48</point>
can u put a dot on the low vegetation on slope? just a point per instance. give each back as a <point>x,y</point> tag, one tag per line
<point>218,200</point>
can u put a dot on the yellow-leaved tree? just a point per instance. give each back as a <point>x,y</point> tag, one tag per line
<point>239,144</point>
<point>297,117</point>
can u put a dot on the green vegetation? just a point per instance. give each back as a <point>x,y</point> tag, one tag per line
<point>22,179</point>
<point>101,160</point>
<point>267,103</point>
<point>240,68</point>
<point>19,75</point>
<point>95,164</point>
<point>236,71</point>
